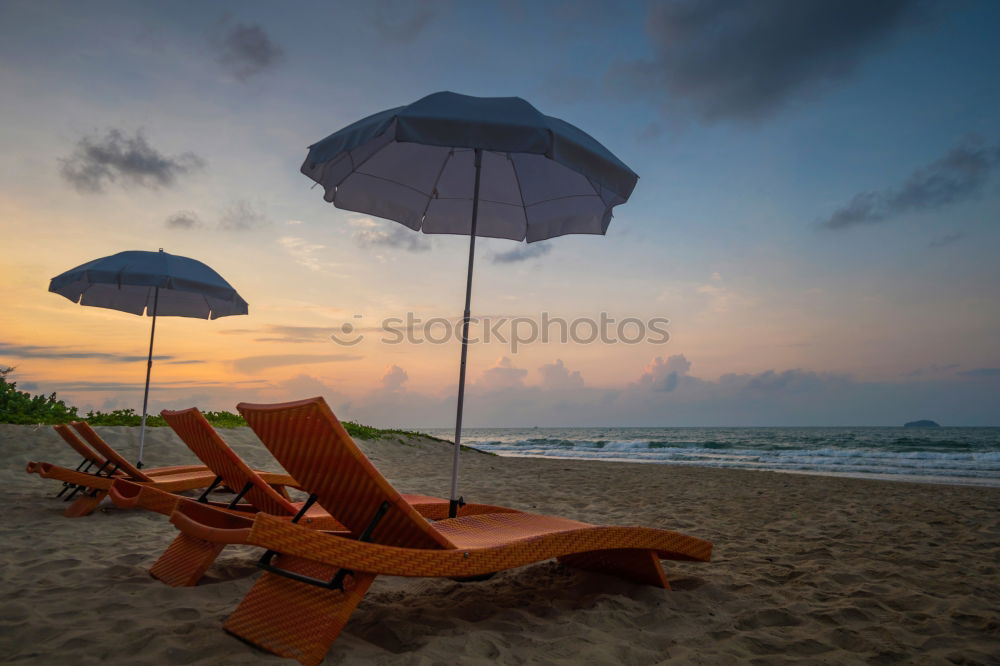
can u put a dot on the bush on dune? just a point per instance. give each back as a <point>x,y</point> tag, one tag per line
<point>23,408</point>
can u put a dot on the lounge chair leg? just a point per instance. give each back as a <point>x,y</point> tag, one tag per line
<point>639,566</point>
<point>85,504</point>
<point>185,561</point>
<point>293,619</point>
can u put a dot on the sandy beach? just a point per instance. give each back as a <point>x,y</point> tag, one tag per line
<point>807,569</point>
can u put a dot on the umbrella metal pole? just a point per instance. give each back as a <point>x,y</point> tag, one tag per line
<point>149,369</point>
<point>454,500</point>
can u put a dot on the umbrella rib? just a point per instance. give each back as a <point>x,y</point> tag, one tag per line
<point>394,182</point>
<point>482,200</point>
<point>568,196</point>
<point>355,167</point>
<point>520,192</point>
<point>430,197</point>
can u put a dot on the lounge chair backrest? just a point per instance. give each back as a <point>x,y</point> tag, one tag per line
<point>78,444</point>
<point>195,431</point>
<point>102,447</point>
<point>312,446</point>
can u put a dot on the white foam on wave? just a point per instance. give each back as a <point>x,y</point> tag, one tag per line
<point>979,467</point>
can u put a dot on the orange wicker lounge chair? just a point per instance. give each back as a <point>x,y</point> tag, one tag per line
<point>93,485</point>
<point>104,449</point>
<point>313,580</point>
<point>89,457</point>
<point>187,558</point>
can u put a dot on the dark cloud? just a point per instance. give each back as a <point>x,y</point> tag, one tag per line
<point>522,253</point>
<point>184,219</point>
<point>932,370</point>
<point>253,364</point>
<point>128,160</point>
<point>947,239</point>
<point>274,333</point>
<point>159,386</point>
<point>396,236</point>
<point>242,215</point>
<point>39,351</point>
<point>744,59</point>
<point>956,177</point>
<point>246,51</point>
<point>982,372</point>
<point>787,381</point>
<point>401,20</point>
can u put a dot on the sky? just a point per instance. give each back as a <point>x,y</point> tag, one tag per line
<point>816,214</point>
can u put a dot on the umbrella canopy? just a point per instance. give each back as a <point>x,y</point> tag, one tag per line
<point>154,283</point>
<point>541,177</point>
<point>130,281</point>
<point>477,166</point>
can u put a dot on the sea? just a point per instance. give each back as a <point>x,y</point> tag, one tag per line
<point>969,456</point>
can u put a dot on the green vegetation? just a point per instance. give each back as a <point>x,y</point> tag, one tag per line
<point>22,408</point>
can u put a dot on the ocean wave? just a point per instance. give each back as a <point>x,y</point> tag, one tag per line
<point>955,453</point>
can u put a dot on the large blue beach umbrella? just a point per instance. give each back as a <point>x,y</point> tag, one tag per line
<point>151,283</point>
<point>476,166</point>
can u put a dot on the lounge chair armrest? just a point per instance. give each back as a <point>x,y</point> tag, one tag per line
<point>131,495</point>
<point>211,524</point>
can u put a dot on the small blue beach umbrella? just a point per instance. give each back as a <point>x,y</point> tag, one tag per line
<point>475,166</point>
<point>154,283</point>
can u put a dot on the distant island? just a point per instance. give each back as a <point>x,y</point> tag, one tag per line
<point>923,423</point>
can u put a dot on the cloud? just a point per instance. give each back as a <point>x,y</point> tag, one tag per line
<point>745,60</point>
<point>127,160</point>
<point>664,375</point>
<point>305,253</point>
<point>394,378</point>
<point>796,397</point>
<point>401,20</point>
<point>369,233</point>
<point>242,215</point>
<point>246,51</point>
<point>787,381</point>
<point>253,364</point>
<point>184,219</point>
<point>934,369</point>
<point>557,377</point>
<point>522,253</point>
<point>130,387</point>
<point>294,334</point>
<point>958,176</point>
<point>39,351</point>
<point>721,298</point>
<point>502,375</point>
<point>981,372</point>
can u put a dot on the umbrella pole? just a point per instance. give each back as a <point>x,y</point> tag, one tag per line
<point>149,368</point>
<point>454,500</point>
